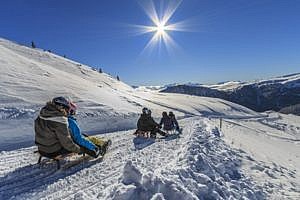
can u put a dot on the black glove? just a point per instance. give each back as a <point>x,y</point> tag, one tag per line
<point>97,152</point>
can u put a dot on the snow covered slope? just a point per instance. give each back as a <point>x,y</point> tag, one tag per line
<point>256,158</point>
<point>273,145</point>
<point>30,77</point>
<point>195,166</point>
<point>291,80</point>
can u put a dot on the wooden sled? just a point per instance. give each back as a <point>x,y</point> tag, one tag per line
<point>57,158</point>
<point>145,134</point>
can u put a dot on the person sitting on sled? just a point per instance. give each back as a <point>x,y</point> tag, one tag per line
<point>93,145</point>
<point>174,121</point>
<point>52,135</point>
<point>167,122</point>
<point>146,123</point>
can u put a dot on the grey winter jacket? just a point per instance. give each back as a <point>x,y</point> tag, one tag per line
<point>51,131</point>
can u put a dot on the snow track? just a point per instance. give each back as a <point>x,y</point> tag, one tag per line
<point>194,166</point>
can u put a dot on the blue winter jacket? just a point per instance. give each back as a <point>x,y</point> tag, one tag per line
<point>77,136</point>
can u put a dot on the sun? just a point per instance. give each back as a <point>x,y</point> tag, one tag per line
<point>161,27</point>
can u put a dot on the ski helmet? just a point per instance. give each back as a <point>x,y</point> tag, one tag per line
<point>171,114</point>
<point>145,110</point>
<point>61,101</point>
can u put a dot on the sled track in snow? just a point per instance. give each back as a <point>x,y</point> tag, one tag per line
<point>100,168</point>
<point>104,170</point>
<point>38,171</point>
<point>13,156</point>
<point>103,180</point>
<point>124,147</point>
<point>26,178</point>
<point>93,178</point>
<point>89,186</point>
<point>26,185</point>
<point>96,187</point>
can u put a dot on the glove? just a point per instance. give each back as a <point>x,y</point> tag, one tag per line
<point>177,128</point>
<point>97,152</point>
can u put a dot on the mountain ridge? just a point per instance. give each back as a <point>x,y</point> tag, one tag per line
<point>273,94</point>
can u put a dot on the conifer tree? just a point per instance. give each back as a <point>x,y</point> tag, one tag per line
<point>33,45</point>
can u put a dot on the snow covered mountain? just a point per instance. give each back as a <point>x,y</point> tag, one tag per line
<point>30,77</point>
<point>273,94</point>
<point>256,157</point>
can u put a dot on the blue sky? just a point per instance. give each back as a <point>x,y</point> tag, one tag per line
<point>229,40</point>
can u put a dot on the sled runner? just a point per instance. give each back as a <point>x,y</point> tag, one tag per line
<point>100,142</point>
<point>57,159</point>
<point>145,134</point>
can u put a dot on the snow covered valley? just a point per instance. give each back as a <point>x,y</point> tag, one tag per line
<point>256,157</point>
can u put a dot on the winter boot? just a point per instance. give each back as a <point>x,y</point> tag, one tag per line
<point>104,147</point>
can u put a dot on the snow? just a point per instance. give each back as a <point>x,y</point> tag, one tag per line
<point>226,86</point>
<point>195,166</point>
<point>198,172</point>
<point>252,156</point>
<point>273,145</point>
<point>30,77</point>
<point>290,81</point>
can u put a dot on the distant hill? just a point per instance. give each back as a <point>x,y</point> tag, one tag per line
<point>273,94</point>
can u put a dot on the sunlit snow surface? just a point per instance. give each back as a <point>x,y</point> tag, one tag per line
<point>257,156</point>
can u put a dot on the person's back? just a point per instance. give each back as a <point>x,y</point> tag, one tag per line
<point>51,130</point>
<point>167,122</point>
<point>173,119</point>
<point>146,123</point>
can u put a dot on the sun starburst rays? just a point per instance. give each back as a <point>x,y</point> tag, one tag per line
<point>161,26</point>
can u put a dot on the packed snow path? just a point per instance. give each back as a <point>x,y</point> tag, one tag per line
<point>197,165</point>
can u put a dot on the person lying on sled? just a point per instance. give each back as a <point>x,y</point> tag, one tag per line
<point>146,123</point>
<point>52,135</point>
<point>93,146</point>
